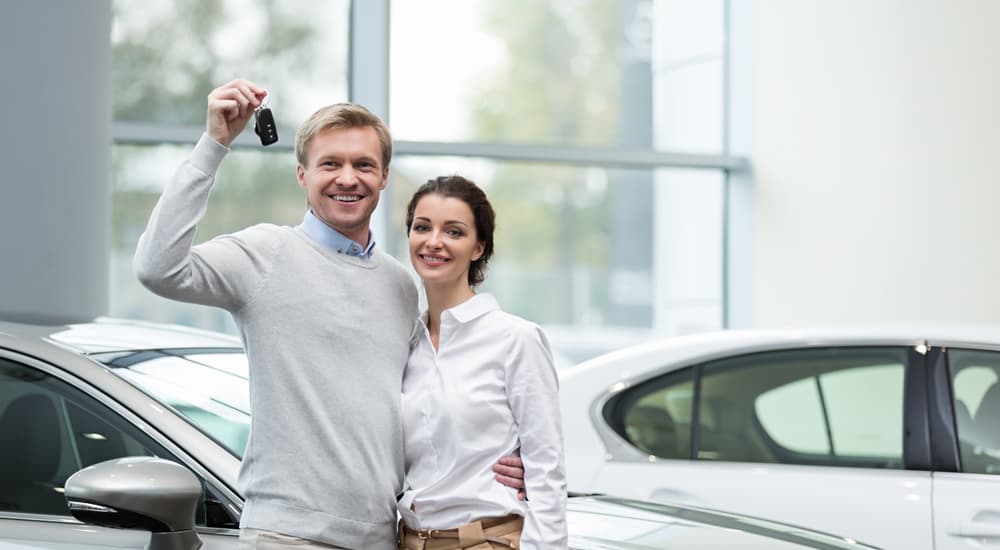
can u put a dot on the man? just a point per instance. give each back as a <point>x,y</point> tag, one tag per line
<point>325,318</point>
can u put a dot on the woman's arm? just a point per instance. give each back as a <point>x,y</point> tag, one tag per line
<point>533,394</point>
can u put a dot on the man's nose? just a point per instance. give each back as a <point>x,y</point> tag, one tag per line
<point>347,175</point>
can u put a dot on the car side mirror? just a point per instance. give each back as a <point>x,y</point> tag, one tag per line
<point>139,492</point>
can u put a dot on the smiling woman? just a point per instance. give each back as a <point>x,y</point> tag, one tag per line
<point>474,369</point>
<point>444,239</point>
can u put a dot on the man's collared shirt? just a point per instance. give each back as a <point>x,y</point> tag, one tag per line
<point>333,239</point>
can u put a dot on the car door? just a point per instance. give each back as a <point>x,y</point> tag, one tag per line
<point>967,501</point>
<point>813,437</point>
<point>52,425</point>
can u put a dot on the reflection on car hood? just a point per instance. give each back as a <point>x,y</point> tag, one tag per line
<point>602,522</point>
<point>107,334</point>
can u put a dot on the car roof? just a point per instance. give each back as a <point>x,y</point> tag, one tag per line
<point>107,334</point>
<point>749,340</point>
<point>627,365</point>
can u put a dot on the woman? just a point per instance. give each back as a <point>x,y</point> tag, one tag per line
<point>480,384</point>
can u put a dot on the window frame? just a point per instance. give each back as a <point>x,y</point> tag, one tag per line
<point>919,405</point>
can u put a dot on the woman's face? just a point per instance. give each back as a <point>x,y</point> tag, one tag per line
<point>443,240</point>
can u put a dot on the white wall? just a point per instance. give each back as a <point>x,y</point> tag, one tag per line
<point>688,46</point>
<point>877,129</point>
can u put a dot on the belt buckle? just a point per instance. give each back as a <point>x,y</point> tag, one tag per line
<point>424,534</point>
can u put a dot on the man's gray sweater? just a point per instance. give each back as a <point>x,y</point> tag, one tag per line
<point>327,338</point>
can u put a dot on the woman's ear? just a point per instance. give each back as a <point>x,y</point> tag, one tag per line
<point>480,248</point>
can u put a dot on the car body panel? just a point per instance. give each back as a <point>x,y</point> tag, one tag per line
<point>844,501</point>
<point>967,510</point>
<point>45,534</point>
<point>596,522</point>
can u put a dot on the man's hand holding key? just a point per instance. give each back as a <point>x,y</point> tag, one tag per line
<point>230,108</point>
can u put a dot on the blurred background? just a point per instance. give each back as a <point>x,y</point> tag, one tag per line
<point>659,167</point>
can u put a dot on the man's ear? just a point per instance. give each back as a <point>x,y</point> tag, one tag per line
<point>385,179</point>
<point>300,175</point>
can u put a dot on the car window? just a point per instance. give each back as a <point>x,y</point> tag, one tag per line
<point>208,387</point>
<point>829,406</point>
<point>656,416</point>
<point>50,429</point>
<point>975,382</point>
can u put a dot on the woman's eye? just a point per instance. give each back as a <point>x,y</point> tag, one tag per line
<point>455,232</point>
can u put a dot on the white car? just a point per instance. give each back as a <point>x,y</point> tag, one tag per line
<point>890,437</point>
<point>75,399</point>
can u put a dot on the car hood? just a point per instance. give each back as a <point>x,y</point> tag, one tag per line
<point>107,334</point>
<point>602,522</point>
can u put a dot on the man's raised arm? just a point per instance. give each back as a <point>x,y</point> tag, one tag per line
<point>218,272</point>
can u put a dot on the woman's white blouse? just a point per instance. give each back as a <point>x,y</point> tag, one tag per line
<point>490,390</point>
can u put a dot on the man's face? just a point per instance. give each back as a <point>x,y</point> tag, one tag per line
<point>343,177</point>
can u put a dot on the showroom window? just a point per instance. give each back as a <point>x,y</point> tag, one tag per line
<point>166,59</point>
<point>596,127</point>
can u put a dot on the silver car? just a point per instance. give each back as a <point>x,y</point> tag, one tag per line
<point>75,399</point>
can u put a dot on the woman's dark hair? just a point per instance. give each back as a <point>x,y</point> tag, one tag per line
<point>483,215</point>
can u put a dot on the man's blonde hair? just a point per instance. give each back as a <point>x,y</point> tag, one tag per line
<point>342,115</point>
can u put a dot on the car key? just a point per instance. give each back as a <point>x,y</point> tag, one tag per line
<point>264,123</point>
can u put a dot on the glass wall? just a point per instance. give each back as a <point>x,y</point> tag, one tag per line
<point>167,58</point>
<point>253,186</point>
<point>602,253</point>
<point>169,55</point>
<point>563,239</point>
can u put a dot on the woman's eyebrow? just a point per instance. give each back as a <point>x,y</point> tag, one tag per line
<point>446,222</point>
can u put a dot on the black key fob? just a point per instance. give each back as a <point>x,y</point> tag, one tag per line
<point>264,126</point>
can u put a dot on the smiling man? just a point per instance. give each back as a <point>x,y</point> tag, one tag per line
<point>325,318</point>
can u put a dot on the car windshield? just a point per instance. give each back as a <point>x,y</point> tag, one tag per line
<point>208,387</point>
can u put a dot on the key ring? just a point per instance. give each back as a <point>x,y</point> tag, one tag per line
<point>264,102</point>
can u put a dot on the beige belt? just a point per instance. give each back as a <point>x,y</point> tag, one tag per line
<point>503,531</point>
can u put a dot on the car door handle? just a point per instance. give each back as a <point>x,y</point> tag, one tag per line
<point>974,529</point>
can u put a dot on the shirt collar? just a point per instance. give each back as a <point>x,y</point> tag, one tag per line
<point>474,307</point>
<point>333,239</point>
